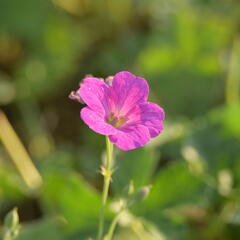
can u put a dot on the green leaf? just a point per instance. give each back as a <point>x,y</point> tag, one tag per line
<point>173,186</point>
<point>42,230</point>
<point>217,139</point>
<point>137,165</point>
<point>73,198</point>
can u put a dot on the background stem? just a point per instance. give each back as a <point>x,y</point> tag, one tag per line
<point>233,82</point>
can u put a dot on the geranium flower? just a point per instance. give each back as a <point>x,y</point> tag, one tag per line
<point>118,108</point>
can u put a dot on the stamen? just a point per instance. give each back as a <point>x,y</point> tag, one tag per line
<point>116,121</point>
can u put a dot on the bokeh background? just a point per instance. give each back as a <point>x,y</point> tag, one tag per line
<point>188,50</point>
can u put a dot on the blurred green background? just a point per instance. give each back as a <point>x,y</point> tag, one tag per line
<point>188,50</point>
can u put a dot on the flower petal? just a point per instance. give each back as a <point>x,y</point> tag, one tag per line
<point>147,114</point>
<point>96,123</point>
<point>129,90</point>
<point>94,92</point>
<point>130,137</point>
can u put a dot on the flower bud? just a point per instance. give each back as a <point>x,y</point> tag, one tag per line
<point>129,189</point>
<point>142,193</point>
<point>139,195</point>
<point>11,221</point>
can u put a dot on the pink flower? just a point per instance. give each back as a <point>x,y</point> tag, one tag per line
<point>120,110</point>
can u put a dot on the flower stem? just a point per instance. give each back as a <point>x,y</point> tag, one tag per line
<point>107,173</point>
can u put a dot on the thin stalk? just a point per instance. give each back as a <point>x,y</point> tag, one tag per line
<point>107,173</point>
<point>233,82</point>
<point>113,226</point>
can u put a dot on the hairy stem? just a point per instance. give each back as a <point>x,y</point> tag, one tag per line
<point>107,173</point>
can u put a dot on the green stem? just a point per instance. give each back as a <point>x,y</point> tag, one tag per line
<point>113,225</point>
<point>233,83</point>
<point>107,173</point>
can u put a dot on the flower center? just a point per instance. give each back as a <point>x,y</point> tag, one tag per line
<point>116,121</point>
